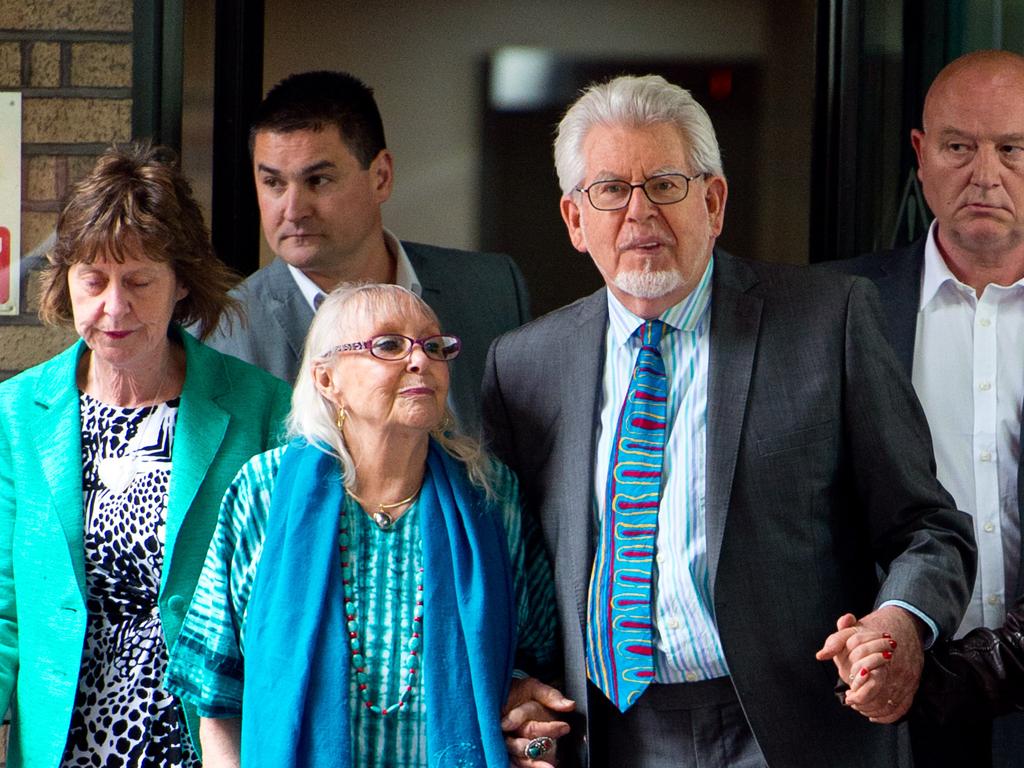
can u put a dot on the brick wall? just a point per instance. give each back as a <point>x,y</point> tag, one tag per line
<point>72,62</point>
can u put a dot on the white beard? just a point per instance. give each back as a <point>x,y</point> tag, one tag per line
<point>649,283</point>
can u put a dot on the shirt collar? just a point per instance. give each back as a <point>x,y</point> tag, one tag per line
<point>405,275</point>
<point>307,287</point>
<point>936,273</point>
<point>684,316</point>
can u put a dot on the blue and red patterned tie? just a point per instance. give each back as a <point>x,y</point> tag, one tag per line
<point>620,627</point>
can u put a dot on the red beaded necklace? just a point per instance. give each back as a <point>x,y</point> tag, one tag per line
<point>413,645</point>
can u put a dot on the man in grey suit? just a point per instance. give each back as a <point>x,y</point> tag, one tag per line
<point>322,173</point>
<point>954,302</point>
<point>796,479</point>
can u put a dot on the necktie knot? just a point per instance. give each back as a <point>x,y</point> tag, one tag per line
<point>651,333</point>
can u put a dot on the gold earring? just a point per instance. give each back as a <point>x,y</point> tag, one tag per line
<point>445,425</point>
<point>340,420</point>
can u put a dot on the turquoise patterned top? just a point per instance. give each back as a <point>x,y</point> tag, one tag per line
<point>206,665</point>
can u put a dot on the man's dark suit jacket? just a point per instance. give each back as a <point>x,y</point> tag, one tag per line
<point>897,274</point>
<point>821,494</point>
<point>477,296</point>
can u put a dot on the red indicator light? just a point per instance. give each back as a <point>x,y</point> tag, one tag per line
<point>720,84</point>
<point>5,265</point>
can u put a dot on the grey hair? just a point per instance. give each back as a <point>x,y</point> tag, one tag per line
<point>635,102</point>
<point>314,417</point>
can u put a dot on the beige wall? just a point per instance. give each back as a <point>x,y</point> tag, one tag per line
<point>424,60</point>
<point>71,59</point>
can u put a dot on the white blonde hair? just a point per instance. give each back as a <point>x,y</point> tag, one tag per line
<point>314,417</point>
<point>634,102</point>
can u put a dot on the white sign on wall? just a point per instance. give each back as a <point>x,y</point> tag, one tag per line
<point>10,202</point>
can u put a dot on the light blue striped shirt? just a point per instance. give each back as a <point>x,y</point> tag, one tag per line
<point>687,644</point>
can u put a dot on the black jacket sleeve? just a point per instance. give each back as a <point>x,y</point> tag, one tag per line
<point>977,677</point>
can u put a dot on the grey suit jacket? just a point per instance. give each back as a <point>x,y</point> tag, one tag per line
<point>477,296</point>
<point>897,274</point>
<point>821,496</point>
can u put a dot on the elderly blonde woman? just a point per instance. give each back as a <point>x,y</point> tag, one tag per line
<point>114,456</point>
<point>366,593</point>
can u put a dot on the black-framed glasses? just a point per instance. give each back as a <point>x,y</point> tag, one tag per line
<point>395,346</point>
<point>662,189</point>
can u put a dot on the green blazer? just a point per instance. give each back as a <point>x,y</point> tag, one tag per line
<point>229,412</point>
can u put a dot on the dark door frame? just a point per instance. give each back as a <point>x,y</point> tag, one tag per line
<point>157,87</point>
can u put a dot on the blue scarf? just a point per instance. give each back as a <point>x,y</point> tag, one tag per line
<point>295,704</point>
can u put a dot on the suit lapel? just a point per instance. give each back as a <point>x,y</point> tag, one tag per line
<point>465,380</point>
<point>735,323</point>
<point>199,432</point>
<point>289,307</point>
<point>581,376</point>
<point>899,287</point>
<point>58,439</point>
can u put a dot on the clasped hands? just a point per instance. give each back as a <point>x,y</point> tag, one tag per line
<point>880,657</point>
<point>531,712</point>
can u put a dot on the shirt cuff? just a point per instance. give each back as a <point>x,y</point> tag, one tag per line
<point>933,629</point>
<point>518,674</point>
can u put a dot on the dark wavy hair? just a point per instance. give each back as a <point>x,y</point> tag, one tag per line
<point>136,201</point>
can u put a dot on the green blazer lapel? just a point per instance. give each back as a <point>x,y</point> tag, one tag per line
<point>57,434</point>
<point>735,323</point>
<point>198,434</point>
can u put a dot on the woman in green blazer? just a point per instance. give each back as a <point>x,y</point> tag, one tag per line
<point>114,456</point>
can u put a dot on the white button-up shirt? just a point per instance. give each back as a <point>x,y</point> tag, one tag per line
<point>969,374</point>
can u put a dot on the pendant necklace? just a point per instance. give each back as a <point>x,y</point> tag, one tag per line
<point>383,520</point>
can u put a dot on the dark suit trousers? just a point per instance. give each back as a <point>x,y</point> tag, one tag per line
<point>977,744</point>
<point>688,725</point>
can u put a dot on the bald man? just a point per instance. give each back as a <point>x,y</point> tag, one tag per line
<point>955,304</point>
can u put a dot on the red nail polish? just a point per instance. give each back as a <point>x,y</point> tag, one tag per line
<point>892,643</point>
<point>886,635</point>
<point>863,672</point>
<point>886,654</point>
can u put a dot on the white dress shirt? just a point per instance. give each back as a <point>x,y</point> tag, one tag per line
<point>969,375</point>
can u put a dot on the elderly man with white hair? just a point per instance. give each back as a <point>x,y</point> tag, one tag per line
<point>725,457</point>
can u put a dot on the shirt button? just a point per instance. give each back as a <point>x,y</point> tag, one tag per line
<point>691,677</point>
<point>673,623</point>
<point>989,527</point>
<point>984,322</point>
<point>985,386</point>
<point>993,599</point>
<point>660,558</point>
<point>985,456</point>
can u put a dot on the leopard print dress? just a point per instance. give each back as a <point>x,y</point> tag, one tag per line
<point>123,717</point>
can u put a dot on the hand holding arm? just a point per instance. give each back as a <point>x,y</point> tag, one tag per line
<point>529,713</point>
